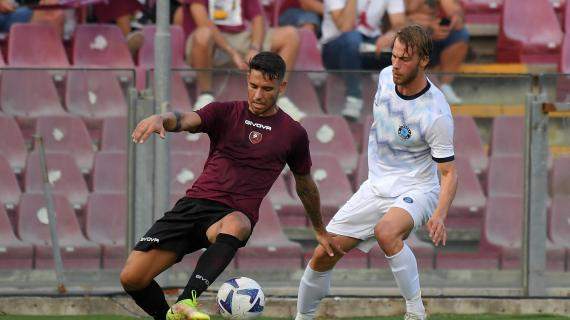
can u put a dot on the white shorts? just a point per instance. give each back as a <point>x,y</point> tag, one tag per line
<point>360,214</point>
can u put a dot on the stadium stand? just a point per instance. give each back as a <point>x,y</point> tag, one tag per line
<point>63,174</point>
<point>106,224</point>
<point>12,145</point>
<point>482,11</point>
<point>507,136</point>
<point>468,144</point>
<point>100,45</point>
<point>146,53</point>
<point>520,41</point>
<point>15,254</point>
<point>67,134</point>
<point>9,188</point>
<point>330,134</point>
<point>503,230</point>
<point>110,172</point>
<point>560,177</point>
<point>114,134</point>
<point>184,170</point>
<point>290,209</point>
<point>469,203</point>
<point>33,227</point>
<point>559,224</point>
<point>39,99</point>
<point>94,95</point>
<point>505,176</point>
<point>334,94</point>
<point>268,247</point>
<point>35,45</point>
<point>309,53</point>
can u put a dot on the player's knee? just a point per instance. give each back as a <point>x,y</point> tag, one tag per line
<point>202,36</point>
<point>386,234</point>
<point>321,261</point>
<point>132,281</point>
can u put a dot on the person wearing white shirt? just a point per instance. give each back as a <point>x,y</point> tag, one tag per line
<point>410,140</point>
<point>346,25</point>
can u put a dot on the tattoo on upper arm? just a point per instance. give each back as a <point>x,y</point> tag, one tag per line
<point>177,115</point>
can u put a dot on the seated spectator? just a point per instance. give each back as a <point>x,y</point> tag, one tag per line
<point>52,17</point>
<point>10,13</point>
<point>347,25</point>
<point>305,14</point>
<point>445,20</point>
<point>220,36</point>
<point>122,12</point>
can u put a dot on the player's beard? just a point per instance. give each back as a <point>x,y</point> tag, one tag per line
<point>405,80</point>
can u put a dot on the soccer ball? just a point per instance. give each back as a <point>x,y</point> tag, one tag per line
<point>240,298</point>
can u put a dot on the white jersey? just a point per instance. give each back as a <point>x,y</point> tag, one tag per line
<point>408,136</point>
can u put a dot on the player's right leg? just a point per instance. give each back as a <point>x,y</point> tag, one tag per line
<point>137,278</point>
<point>315,283</point>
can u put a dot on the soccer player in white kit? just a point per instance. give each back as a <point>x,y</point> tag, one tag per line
<point>411,139</point>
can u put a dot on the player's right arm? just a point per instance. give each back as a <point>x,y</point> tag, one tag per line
<point>309,194</point>
<point>169,121</point>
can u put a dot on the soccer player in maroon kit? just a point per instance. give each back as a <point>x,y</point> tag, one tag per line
<point>251,141</point>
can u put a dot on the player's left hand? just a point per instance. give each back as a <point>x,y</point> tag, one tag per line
<point>437,232</point>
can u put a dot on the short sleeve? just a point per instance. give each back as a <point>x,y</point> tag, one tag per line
<point>332,5</point>
<point>212,115</point>
<point>252,9</point>
<point>299,159</point>
<point>396,6</point>
<point>440,139</point>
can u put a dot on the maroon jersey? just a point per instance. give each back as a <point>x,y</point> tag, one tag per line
<point>247,154</point>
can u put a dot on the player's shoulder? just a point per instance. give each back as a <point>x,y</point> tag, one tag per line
<point>438,103</point>
<point>293,126</point>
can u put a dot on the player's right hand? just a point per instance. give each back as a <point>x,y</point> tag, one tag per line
<point>328,243</point>
<point>148,126</point>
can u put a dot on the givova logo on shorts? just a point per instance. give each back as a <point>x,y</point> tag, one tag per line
<point>150,239</point>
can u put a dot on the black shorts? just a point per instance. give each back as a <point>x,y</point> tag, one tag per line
<point>183,229</point>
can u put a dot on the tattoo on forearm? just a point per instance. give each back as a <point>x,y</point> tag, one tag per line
<point>309,195</point>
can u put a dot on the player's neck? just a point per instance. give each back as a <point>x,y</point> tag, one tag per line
<point>414,87</point>
<point>267,113</point>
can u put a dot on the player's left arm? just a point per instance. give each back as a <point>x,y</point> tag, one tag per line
<point>309,194</point>
<point>448,181</point>
<point>440,140</point>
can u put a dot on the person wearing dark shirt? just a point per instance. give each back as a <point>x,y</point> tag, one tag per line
<point>250,143</point>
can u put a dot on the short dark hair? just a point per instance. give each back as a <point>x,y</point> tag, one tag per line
<point>417,38</point>
<point>270,64</point>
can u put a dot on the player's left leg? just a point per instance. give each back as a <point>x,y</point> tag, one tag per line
<point>390,232</point>
<point>226,235</point>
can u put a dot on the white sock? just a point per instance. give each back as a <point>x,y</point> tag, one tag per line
<point>405,270</point>
<point>313,287</point>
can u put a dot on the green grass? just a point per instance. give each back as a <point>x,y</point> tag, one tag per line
<point>435,317</point>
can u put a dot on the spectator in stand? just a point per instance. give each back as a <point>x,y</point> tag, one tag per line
<point>222,33</point>
<point>122,12</point>
<point>10,13</point>
<point>307,14</point>
<point>445,20</point>
<point>348,24</point>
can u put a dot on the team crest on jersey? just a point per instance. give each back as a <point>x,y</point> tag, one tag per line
<point>404,132</point>
<point>255,137</point>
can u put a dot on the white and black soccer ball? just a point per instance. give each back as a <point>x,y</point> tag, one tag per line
<point>240,298</point>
